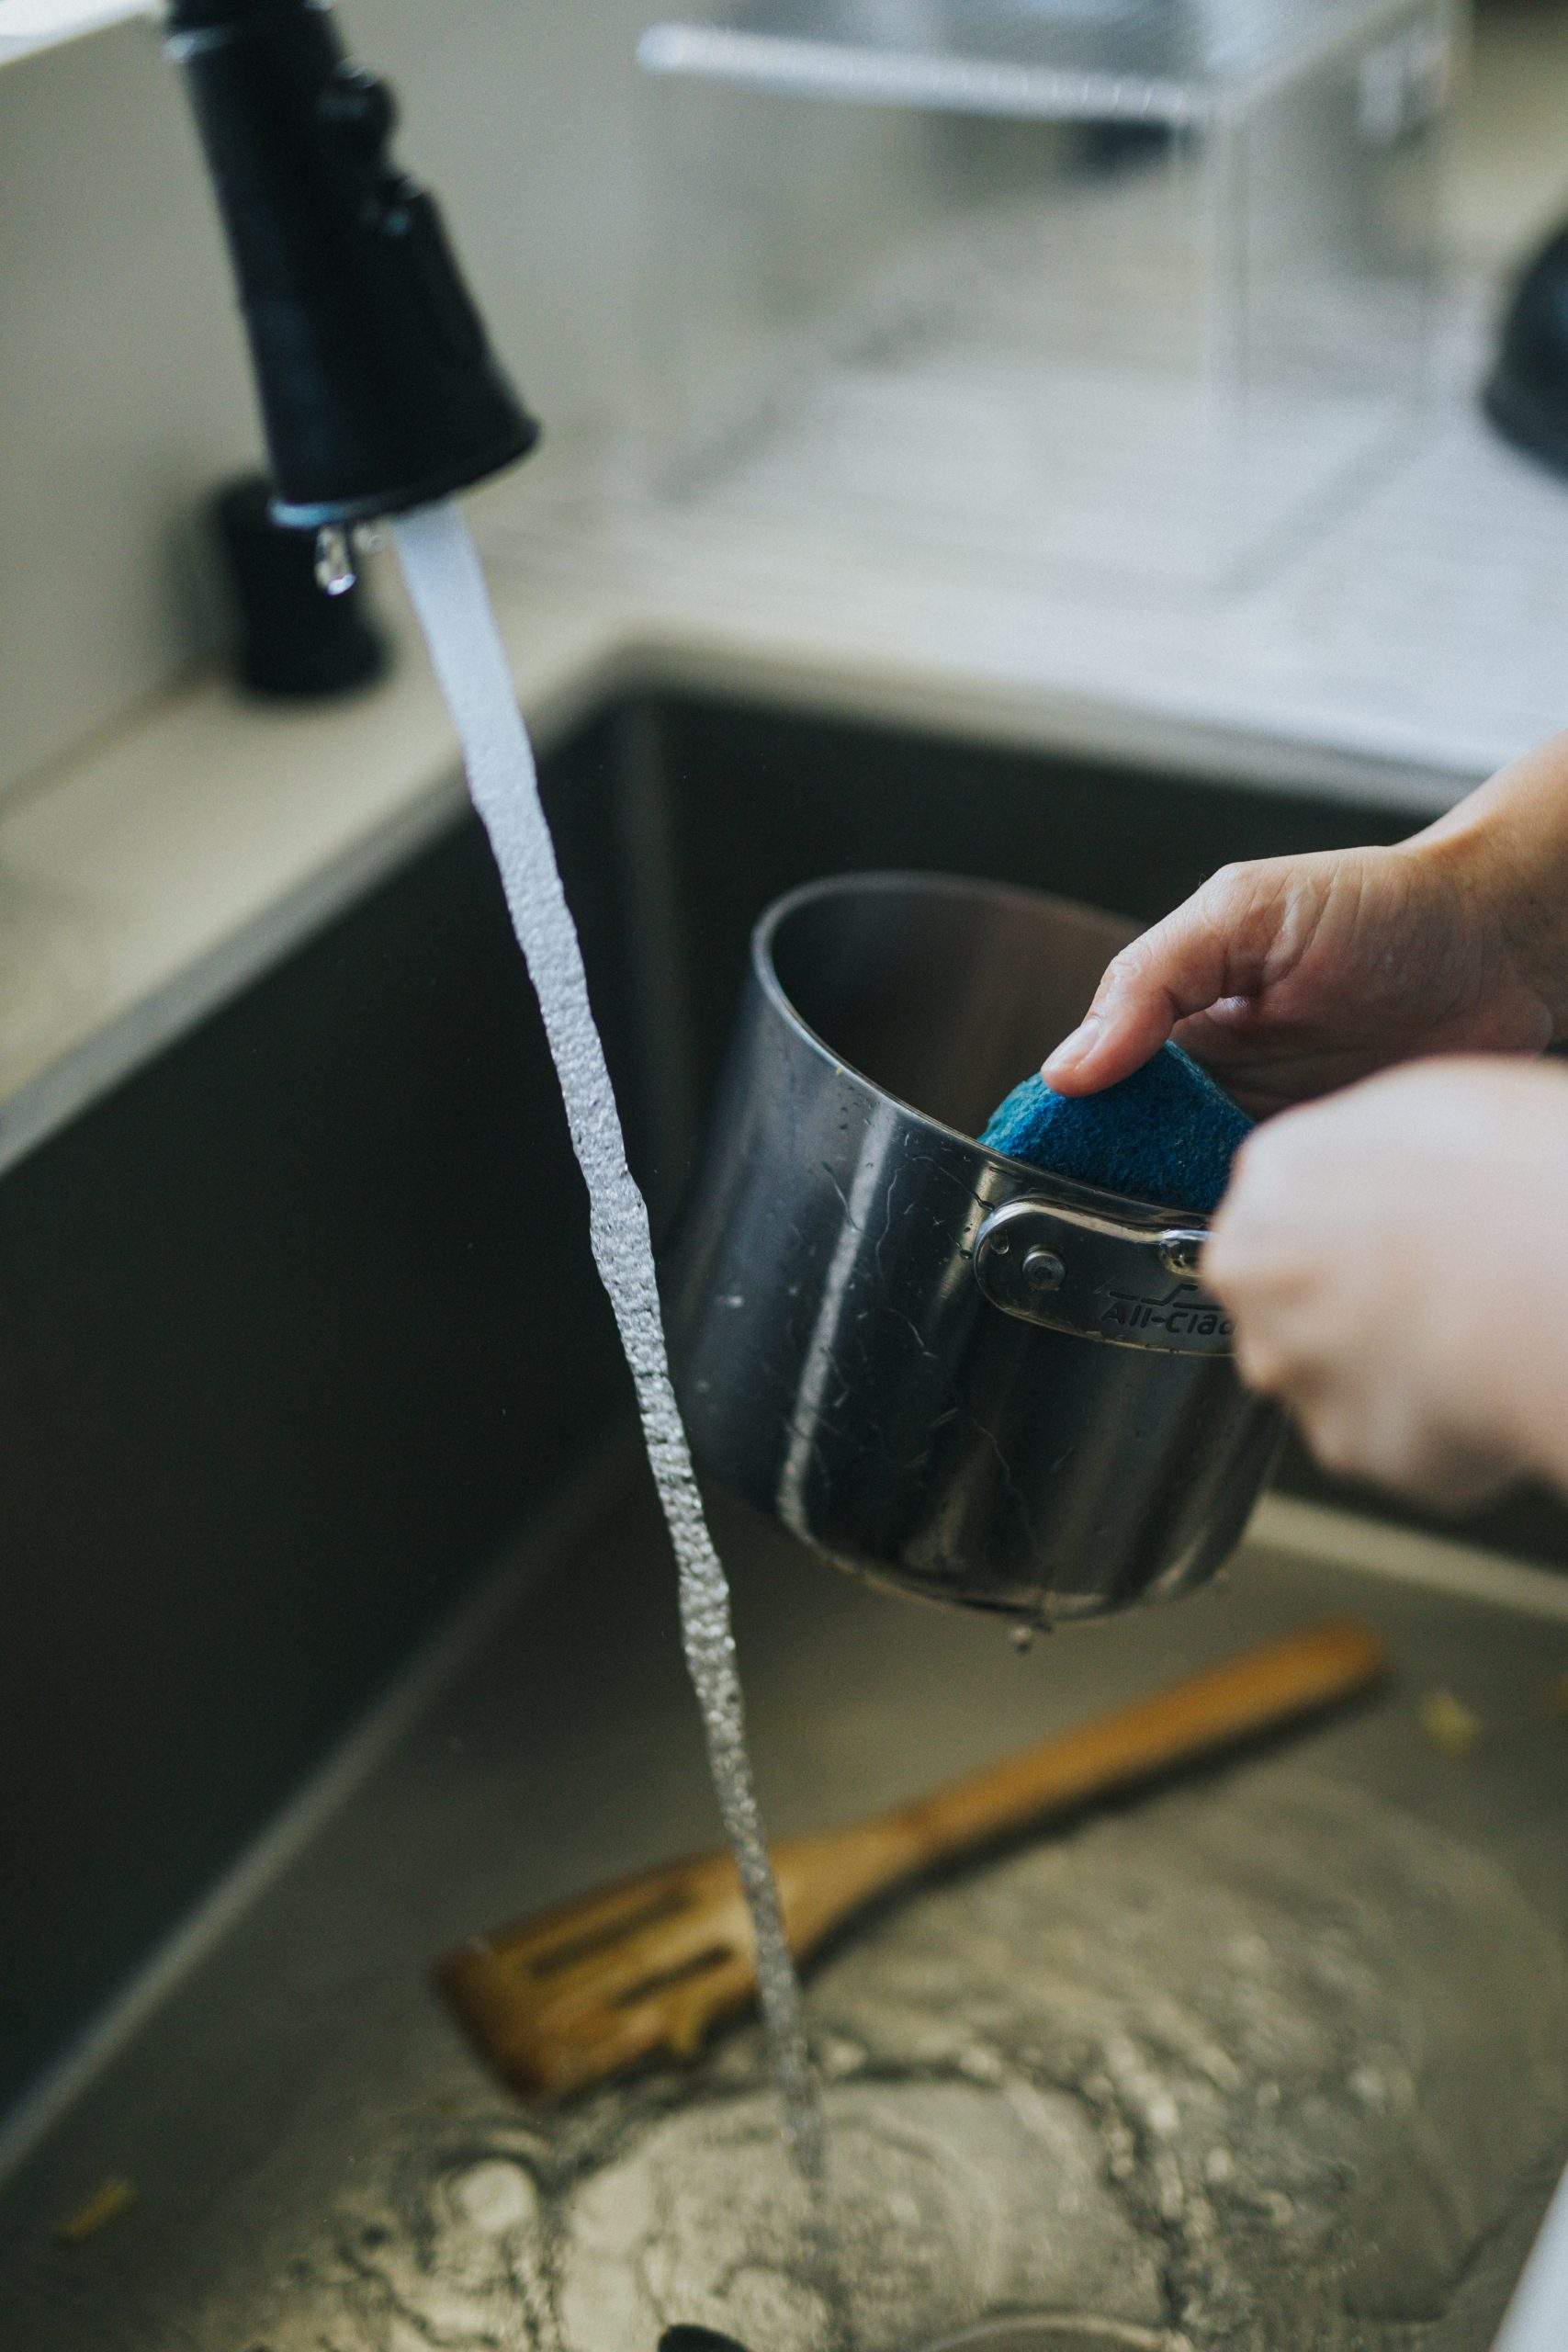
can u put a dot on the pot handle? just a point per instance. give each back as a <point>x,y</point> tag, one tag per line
<point>1072,1270</point>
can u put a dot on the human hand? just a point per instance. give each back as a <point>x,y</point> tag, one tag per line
<point>1397,1260</point>
<point>1294,976</point>
<point>1291,977</point>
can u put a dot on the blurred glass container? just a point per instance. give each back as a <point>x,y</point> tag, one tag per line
<point>1133,286</point>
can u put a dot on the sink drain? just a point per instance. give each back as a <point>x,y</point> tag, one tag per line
<point>1021,2332</point>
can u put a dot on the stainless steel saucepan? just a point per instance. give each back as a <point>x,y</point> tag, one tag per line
<point>940,1368</point>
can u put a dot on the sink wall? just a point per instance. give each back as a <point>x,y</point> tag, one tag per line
<point>290,1333</point>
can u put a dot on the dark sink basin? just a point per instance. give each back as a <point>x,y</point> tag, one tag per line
<point>300,1328</point>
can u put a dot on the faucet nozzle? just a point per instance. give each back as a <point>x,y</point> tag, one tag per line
<point>378,387</point>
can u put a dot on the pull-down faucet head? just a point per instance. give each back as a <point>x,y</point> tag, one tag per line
<point>378,385</point>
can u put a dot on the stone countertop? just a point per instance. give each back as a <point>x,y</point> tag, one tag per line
<point>1411,646</point>
<point>1282,2049</point>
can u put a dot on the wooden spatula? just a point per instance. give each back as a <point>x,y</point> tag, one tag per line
<point>589,1991</point>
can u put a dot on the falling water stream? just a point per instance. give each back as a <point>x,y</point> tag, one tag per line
<point>447,586</point>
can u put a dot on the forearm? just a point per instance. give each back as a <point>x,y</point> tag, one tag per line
<point>1507,841</point>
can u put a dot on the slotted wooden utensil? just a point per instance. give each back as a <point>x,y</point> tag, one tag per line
<point>587,1992</point>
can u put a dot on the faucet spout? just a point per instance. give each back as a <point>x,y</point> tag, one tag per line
<point>378,387</point>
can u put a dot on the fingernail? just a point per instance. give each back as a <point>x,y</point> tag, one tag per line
<point>1073,1049</point>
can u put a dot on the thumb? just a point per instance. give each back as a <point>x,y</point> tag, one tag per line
<point>1183,966</point>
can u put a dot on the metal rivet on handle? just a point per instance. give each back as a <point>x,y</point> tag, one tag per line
<point>1042,1270</point>
<point>1179,1253</point>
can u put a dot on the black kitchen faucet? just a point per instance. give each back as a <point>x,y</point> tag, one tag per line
<point>378,387</point>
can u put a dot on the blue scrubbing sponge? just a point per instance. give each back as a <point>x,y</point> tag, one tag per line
<point>1167,1134</point>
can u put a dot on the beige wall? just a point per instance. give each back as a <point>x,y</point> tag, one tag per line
<point>122,390</point>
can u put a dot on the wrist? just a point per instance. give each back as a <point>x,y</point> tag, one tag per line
<point>1511,888</point>
<point>1505,847</point>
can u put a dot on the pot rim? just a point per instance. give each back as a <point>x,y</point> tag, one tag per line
<point>1123,1208</point>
